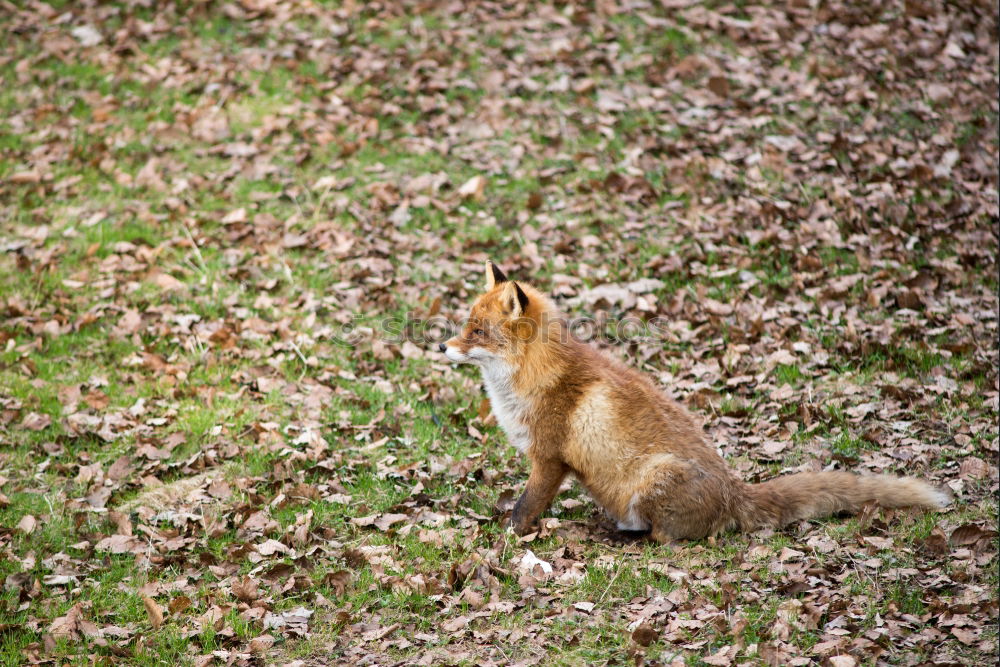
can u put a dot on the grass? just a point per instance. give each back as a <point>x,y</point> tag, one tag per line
<point>238,368</point>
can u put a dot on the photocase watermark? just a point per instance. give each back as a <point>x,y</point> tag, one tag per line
<point>431,331</point>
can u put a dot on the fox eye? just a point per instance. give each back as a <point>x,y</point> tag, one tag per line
<point>478,332</point>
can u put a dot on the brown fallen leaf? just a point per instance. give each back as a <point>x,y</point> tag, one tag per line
<point>966,636</point>
<point>166,282</point>
<point>717,307</point>
<point>31,176</point>
<point>878,542</point>
<point>719,85</point>
<point>911,299</point>
<point>338,581</point>
<point>721,658</point>
<point>128,323</point>
<point>271,547</point>
<point>381,521</point>
<point>645,634</point>
<point>841,661</point>
<point>179,604</point>
<point>260,645</point>
<point>455,624</point>
<point>96,399</point>
<point>120,544</point>
<point>235,216</point>
<point>36,422</point>
<point>66,626</point>
<point>386,521</point>
<point>120,469</point>
<point>968,534</point>
<point>245,589</point>
<point>27,524</point>
<point>473,188</point>
<point>973,468</point>
<point>154,611</point>
<point>936,543</point>
<point>505,502</point>
<point>122,522</point>
<point>294,622</point>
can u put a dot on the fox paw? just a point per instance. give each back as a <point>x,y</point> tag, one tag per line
<point>519,528</point>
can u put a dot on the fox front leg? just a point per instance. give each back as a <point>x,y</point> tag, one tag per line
<point>543,484</point>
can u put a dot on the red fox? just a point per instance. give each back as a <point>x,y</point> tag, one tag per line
<point>571,409</point>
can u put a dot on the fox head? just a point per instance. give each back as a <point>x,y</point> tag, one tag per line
<point>504,320</point>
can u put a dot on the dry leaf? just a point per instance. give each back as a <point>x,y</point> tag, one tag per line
<point>473,188</point>
<point>154,611</point>
<point>260,645</point>
<point>27,524</point>
<point>645,634</point>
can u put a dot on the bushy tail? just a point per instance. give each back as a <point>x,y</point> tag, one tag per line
<point>810,495</point>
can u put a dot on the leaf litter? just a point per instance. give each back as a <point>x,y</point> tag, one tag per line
<point>801,197</point>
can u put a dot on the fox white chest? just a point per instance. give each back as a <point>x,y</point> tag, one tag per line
<point>509,408</point>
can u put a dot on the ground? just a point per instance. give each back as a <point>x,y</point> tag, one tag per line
<point>232,235</point>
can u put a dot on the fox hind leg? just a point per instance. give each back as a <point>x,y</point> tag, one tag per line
<point>663,537</point>
<point>686,503</point>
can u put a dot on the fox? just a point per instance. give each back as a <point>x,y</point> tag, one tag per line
<point>570,408</point>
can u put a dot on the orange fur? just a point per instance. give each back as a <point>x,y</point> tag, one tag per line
<point>572,409</point>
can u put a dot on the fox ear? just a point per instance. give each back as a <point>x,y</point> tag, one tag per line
<point>516,300</point>
<point>494,275</point>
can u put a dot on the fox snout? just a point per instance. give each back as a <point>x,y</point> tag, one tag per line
<point>454,352</point>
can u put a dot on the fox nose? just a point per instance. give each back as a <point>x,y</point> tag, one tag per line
<point>442,347</point>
